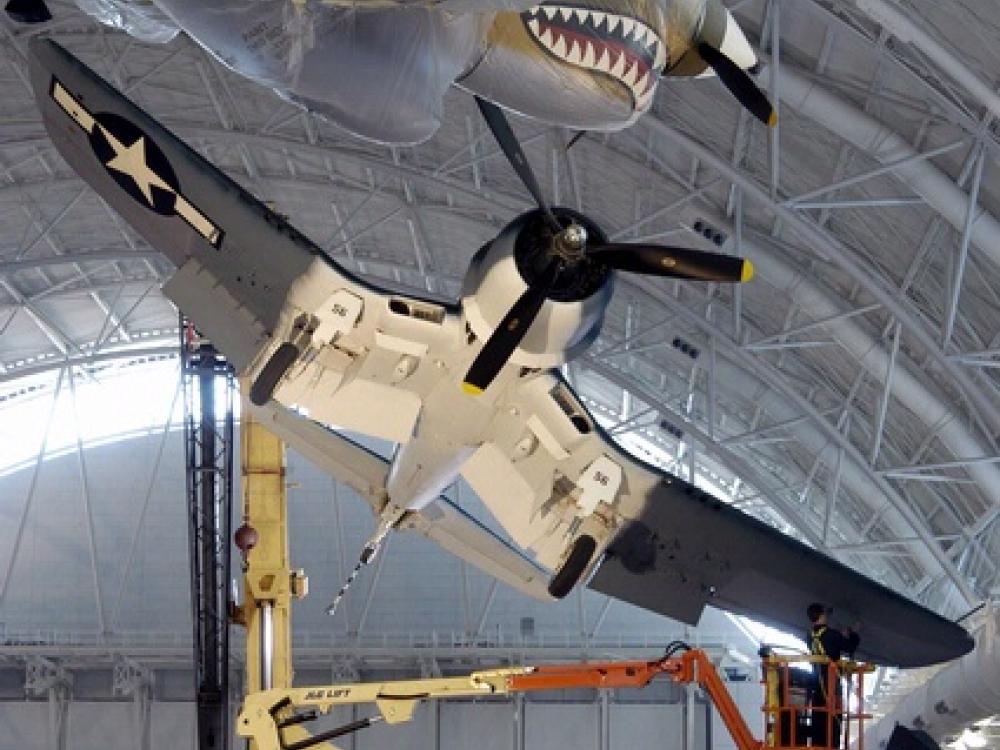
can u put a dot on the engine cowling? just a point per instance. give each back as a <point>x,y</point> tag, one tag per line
<point>573,311</point>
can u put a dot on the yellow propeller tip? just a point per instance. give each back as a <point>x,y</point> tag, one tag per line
<point>772,119</point>
<point>746,273</point>
<point>472,390</point>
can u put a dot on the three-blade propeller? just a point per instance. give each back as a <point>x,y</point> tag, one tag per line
<point>569,247</point>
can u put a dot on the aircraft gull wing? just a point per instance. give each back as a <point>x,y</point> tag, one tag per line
<point>669,547</point>
<point>302,328</point>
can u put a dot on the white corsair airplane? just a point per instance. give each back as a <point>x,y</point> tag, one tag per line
<point>469,389</point>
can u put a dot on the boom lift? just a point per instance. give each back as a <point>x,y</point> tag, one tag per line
<point>266,715</point>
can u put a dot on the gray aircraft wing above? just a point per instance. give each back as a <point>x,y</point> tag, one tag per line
<point>678,549</point>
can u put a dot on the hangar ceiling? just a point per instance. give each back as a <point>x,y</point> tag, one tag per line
<point>849,395</point>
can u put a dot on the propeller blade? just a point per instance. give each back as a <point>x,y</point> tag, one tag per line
<point>740,84</point>
<point>505,339</point>
<point>500,127</point>
<point>674,262</point>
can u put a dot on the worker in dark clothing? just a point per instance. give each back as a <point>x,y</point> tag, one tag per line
<point>833,644</point>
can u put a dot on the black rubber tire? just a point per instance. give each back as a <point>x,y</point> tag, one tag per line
<point>569,574</point>
<point>283,358</point>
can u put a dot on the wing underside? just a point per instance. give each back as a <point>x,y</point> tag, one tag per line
<point>686,550</point>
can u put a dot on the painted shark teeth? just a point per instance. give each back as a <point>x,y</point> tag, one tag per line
<point>634,54</point>
<point>604,64</point>
<point>559,48</point>
<point>574,55</point>
<point>619,67</point>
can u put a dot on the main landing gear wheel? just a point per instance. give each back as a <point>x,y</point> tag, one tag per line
<point>569,574</point>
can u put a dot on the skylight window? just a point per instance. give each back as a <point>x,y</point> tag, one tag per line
<point>97,407</point>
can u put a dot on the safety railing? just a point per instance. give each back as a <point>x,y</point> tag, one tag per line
<point>813,702</point>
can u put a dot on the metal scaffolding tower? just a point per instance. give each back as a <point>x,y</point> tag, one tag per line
<point>208,430</point>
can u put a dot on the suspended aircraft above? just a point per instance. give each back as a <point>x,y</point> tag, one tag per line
<point>470,389</point>
<point>582,64</point>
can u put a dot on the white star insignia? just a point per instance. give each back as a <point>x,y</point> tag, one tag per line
<point>131,160</point>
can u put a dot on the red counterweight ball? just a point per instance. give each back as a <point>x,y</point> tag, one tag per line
<point>246,538</point>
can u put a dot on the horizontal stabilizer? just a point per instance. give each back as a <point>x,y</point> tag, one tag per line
<point>443,522</point>
<point>360,469</point>
<point>463,536</point>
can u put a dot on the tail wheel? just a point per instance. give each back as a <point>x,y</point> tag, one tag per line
<point>569,574</point>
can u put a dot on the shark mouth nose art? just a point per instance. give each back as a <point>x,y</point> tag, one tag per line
<point>622,47</point>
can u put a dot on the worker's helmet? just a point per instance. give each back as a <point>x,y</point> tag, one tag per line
<point>814,610</point>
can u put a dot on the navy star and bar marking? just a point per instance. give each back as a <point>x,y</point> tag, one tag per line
<point>136,163</point>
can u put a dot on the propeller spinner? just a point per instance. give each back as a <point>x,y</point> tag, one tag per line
<point>564,256</point>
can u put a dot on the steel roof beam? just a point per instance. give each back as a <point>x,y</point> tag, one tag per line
<point>87,507</point>
<point>100,256</point>
<point>879,141</point>
<point>906,30</point>
<point>908,386</point>
<point>84,359</point>
<point>963,252</point>
<point>29,499</point>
